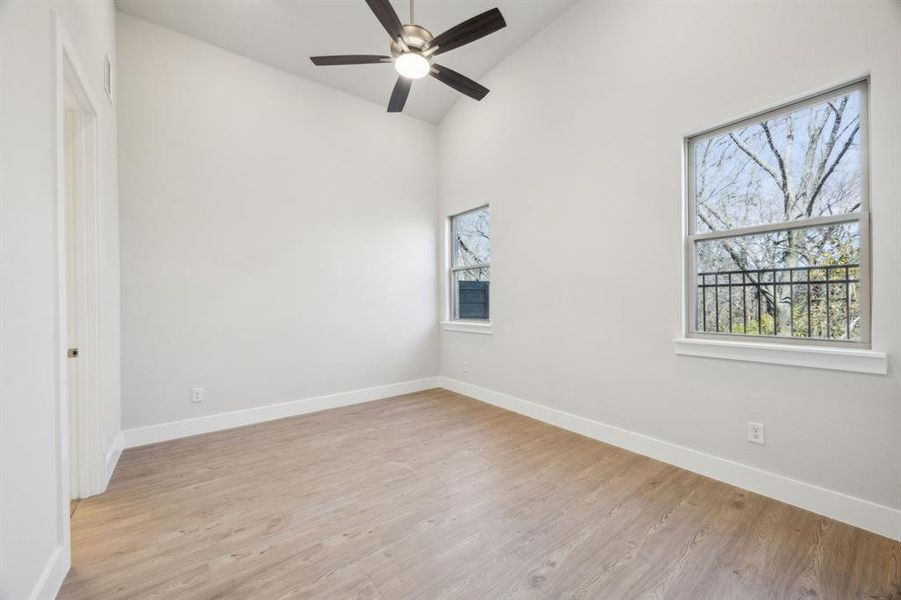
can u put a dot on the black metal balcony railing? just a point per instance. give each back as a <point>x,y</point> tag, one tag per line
<point>812,302</point>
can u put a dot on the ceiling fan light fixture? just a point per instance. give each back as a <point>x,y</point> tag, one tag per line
<point>413,47</point>
<point>412,65</point>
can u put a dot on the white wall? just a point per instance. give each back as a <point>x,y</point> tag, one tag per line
<point>277,235</point>
<point>578,149</point>
<point>30,531</point>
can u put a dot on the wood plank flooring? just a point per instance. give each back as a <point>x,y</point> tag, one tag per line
<point>435,495</point>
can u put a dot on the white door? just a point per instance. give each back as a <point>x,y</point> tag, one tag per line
<point>74,271</point>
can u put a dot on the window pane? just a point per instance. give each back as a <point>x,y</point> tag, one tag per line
<point>803,164</point>
<point>796,283</point>
<point>472,238</point>
<point>472,289</point>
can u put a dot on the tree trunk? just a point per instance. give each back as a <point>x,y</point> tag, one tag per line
<point>784,317</point>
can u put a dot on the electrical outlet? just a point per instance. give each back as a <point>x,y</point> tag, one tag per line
<point>196,394</point>
<point>466,366</point>
<point>756,433</point>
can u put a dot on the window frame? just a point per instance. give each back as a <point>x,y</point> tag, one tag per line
<point>451,298</point>
<point>861,217</point>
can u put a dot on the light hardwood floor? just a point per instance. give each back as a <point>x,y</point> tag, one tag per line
<point>435,495</point>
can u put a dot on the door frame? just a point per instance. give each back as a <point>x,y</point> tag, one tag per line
<point>70,80</point>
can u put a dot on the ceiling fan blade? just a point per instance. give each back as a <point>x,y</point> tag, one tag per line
<point>469,31</point>
<point>461,83</point>
<point>386,15</point>
<point>399,94</point>
<point>349,59</point>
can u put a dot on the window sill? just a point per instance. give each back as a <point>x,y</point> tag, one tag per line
<point>816,357</point>
<point>483,328</point>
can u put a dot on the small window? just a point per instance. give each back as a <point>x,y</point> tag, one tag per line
<point>778,224</point>
<point>470,268</point>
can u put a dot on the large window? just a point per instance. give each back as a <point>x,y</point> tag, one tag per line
<point>778,223</point>
<point>470,270</point>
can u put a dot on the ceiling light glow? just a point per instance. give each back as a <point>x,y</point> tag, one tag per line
<point>412,65</point>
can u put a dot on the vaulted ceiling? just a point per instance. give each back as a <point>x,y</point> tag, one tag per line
<point>285,33</point>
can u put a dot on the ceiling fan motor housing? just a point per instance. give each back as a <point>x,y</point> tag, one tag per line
<point>416,38</point>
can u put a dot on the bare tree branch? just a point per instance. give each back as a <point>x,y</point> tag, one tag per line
<point>814,134</point>
<point>472,255</point>
<point>739,260</point>
<point>753,156</point>
<point>838,159</point>
<point>827,152</point>
<point>785,186</point>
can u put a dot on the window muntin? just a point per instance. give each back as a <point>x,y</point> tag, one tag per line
<point>470,272</point>
<point>778,224</point>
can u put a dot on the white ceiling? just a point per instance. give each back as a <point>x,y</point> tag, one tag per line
<point>285,33</point>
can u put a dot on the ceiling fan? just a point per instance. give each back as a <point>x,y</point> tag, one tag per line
<point>412,48</point>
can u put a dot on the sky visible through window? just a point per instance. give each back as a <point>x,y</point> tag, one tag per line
<point>800,165</point>
<point>472,238</point>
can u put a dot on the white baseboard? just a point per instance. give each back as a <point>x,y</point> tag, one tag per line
<point>112,458</point>
<point>51,579</point>
<point>877,518</point>
<point>162,432</point>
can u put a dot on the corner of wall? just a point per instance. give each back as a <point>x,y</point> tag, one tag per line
<point>113,453</point>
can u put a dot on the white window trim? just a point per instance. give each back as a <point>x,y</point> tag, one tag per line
<point>825,354</point>
<point>449,323</point>
<point>816,357</point>
<point>468,326</point>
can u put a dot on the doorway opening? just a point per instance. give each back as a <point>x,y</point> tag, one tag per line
<point>81,456</point>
